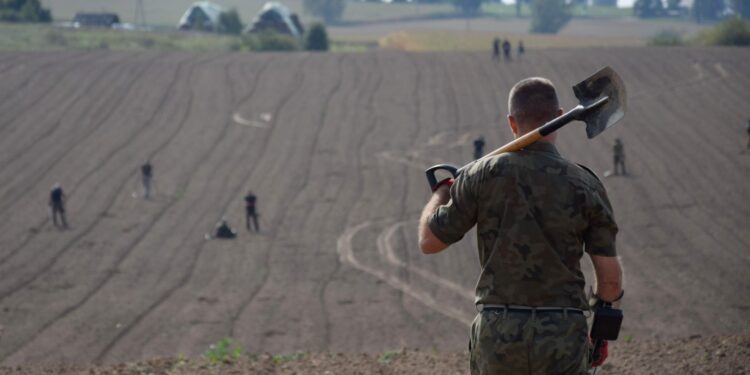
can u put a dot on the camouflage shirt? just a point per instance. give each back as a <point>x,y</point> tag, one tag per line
<point>535,213</point>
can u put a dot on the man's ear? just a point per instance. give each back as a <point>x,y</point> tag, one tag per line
<point>513,125</point>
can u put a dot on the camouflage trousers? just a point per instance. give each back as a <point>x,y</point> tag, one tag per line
<point>524,343</point>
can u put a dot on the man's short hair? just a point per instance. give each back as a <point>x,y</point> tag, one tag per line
<point>533,101</point>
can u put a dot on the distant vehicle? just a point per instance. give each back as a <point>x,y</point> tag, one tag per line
<point>105,20</point>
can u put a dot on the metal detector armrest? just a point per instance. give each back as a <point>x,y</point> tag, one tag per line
<point>430,172</point>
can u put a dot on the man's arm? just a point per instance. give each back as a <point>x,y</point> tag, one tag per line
<point>428,242</point>
<point>608,277</point>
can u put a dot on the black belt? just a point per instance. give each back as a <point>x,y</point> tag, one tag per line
<point>530,309</point>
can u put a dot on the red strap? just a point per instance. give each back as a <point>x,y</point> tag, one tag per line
<point>448,182</point>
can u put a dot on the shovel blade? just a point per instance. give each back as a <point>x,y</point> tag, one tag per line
<point>604,83</point>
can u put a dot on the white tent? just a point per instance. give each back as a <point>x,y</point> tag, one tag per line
<point>278,17</point>
<point>202,15</point>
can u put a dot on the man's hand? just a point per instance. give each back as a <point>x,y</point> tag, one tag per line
<point>600,354</point>
<point>428,242</point>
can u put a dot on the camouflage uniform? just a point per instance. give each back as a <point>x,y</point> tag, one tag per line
<point>534,213</point>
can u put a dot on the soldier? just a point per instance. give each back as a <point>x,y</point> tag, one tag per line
<point>250,212</point>
<point>506,49</point>
<point>478,147</point>
<point>536,213</point>
<point>496,49</point>
<point>224,231</point>
<point>619,156</point>
<point>57,206</point>
<point>147,176</point>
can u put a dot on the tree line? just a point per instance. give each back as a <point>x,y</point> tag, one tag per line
<point>23,11</point>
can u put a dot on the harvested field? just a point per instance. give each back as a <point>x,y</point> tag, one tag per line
<point>334,146</point>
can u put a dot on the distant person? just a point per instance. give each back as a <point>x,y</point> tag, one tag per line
<point>147,174</point>
<point>250,212</point>
<point>506,49</point>
<point>224,231</point>
<point>619,154</point>
<point>478,147</point>
<point>496,49</point>
<point>57,206</point>
<point>521,49</point>
<point>748,134</point>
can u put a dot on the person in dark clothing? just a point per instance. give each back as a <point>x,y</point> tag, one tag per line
<point>748,134</point>
<point>496,49</point>
<point>506,49</point>
<point>619,154</point>
<point>250,211</point>
<point>521,49</point>
<point>57,206</point>
<point>147,175</point>
<point>224,231</point>
<point>478,147</point>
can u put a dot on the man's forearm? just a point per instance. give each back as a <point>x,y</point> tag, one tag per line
<point>427,240</point>
<point>608,277</point>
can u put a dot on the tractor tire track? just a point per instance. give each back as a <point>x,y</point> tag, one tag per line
<point>357,174</point>
<point>303,185</point>
<point>91,226</point>
<point>76,185</point>
<point>105,118</point>
<point>140,237</point>
<point>182,282</point>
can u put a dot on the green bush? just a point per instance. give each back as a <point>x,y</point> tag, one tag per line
<point>230,22</point>
<point>549,16</point>
<point>23,11</point>
<point>222,352</point>
<point>732,32</point>
<point>270,41</point>
<point>667,38</point>
<point>316,38</point>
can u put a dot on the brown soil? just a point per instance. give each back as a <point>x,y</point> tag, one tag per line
<point>694,355</point>
<point>334,146</point>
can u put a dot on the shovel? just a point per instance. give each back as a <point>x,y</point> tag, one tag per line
<point>602,104</point>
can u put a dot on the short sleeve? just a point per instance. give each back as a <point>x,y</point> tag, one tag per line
<point>451,221</point>
<point>600,234</point>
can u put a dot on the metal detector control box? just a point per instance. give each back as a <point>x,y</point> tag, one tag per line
<point>607,322</point>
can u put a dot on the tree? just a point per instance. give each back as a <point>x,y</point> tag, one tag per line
<point>467,7</point>
<point>549,16</point>
<point>317,38</point>
<point>707,10</point>
<point>742,8</point>
<point>230,22</point>
<point>328,10</point>
<point>24,11</point>
<point>648,9</point>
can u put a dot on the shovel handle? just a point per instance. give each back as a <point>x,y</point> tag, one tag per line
<point>430,172</point>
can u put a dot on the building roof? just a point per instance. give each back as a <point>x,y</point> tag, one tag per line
<point>283,12</point>
<point>211,10</point>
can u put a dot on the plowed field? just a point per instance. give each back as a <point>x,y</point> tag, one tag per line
<point>334,146</point>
